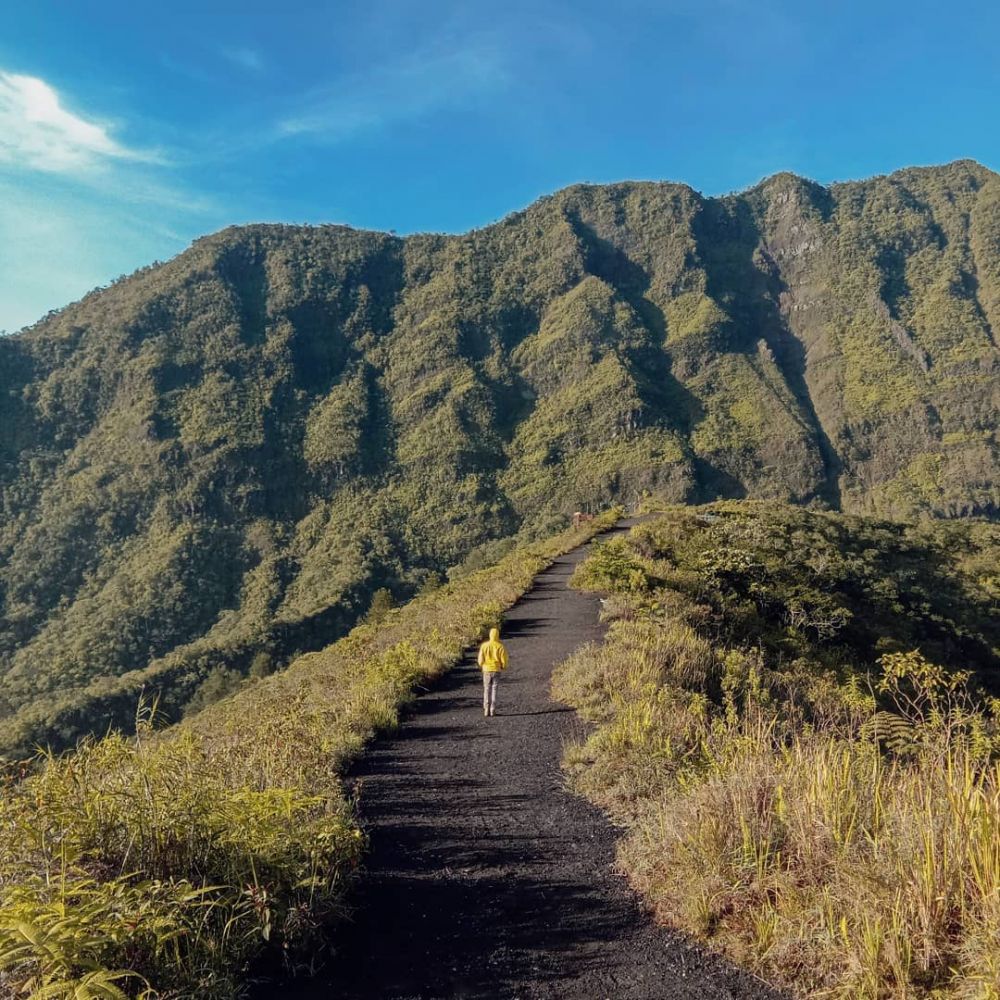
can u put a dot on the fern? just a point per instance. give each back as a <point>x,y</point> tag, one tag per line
<point>898,735</point>
<point>101,984</point>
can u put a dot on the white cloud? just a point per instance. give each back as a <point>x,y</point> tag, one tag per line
<point>38,133</point>
<point>244,57</point>
<point>434,78</point>
<point>77,205</point>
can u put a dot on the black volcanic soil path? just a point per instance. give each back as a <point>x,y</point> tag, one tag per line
<point>487,879</point>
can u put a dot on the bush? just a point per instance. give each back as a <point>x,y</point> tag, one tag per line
<point>827,813</point>
<point>382,603</point>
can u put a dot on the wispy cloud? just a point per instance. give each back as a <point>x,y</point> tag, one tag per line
<point>38,133</point>
<point>244,57</point>
<point>78,205</point>
<point>443,76</point>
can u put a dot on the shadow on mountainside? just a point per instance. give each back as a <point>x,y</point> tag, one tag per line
<point>662,391</point>
<point>485,877</point>
<point>741,271</point>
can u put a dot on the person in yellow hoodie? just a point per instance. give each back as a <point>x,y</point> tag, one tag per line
<point>492,661</point>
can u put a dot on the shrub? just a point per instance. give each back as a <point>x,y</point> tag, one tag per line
<point>827,814</point>
<point>163,864</point>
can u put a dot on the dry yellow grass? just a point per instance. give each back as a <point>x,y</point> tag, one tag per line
<point>847,851</point>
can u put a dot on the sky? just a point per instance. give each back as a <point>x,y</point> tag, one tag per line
<point>129,129</point>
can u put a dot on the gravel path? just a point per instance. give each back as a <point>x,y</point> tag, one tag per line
<point>485,878</point>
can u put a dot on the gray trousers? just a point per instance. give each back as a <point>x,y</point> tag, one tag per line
<point>490,679</point>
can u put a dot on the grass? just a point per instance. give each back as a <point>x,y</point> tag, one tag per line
<point>163,865</point>
<point>832,822</point>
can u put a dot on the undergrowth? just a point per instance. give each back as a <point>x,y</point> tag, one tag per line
<point>163,865</point>
<point>801,780</point>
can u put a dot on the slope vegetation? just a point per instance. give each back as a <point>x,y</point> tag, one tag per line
<point>797,725</point>
<point>214,463</point>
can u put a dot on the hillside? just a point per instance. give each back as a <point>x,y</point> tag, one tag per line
<point>215,462</point>
<point>168,864</point>
<point>796,729</point>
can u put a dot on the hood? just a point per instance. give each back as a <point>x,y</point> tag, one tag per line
<point>494,635</point>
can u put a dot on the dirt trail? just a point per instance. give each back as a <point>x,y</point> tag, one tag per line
<point>485,877</point>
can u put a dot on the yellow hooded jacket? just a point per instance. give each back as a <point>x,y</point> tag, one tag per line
<point>493,654</point>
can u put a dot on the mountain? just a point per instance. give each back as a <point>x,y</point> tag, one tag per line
<point>214,463</point>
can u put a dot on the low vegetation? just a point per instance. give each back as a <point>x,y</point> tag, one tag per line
<point>162,864</point>
<point>796,723</point>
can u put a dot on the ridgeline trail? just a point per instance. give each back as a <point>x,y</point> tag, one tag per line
<point>485,877</point>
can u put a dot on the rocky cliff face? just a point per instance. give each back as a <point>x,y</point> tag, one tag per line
<point>229,452</point>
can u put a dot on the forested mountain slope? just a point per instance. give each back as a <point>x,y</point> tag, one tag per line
<point>229,452</point>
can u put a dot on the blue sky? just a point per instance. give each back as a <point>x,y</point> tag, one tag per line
<point>126,130</point>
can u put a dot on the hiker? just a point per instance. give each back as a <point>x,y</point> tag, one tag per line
<point>492,659</point>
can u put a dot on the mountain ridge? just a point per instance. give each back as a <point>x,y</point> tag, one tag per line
<point>229,452</point>
<point>969,163</point>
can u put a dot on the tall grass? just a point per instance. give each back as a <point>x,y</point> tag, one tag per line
<point>163,865</point>
<point>840,836</point>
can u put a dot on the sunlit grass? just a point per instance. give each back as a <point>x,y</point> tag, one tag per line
<point>840,834</point>
<point>164,864</point>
